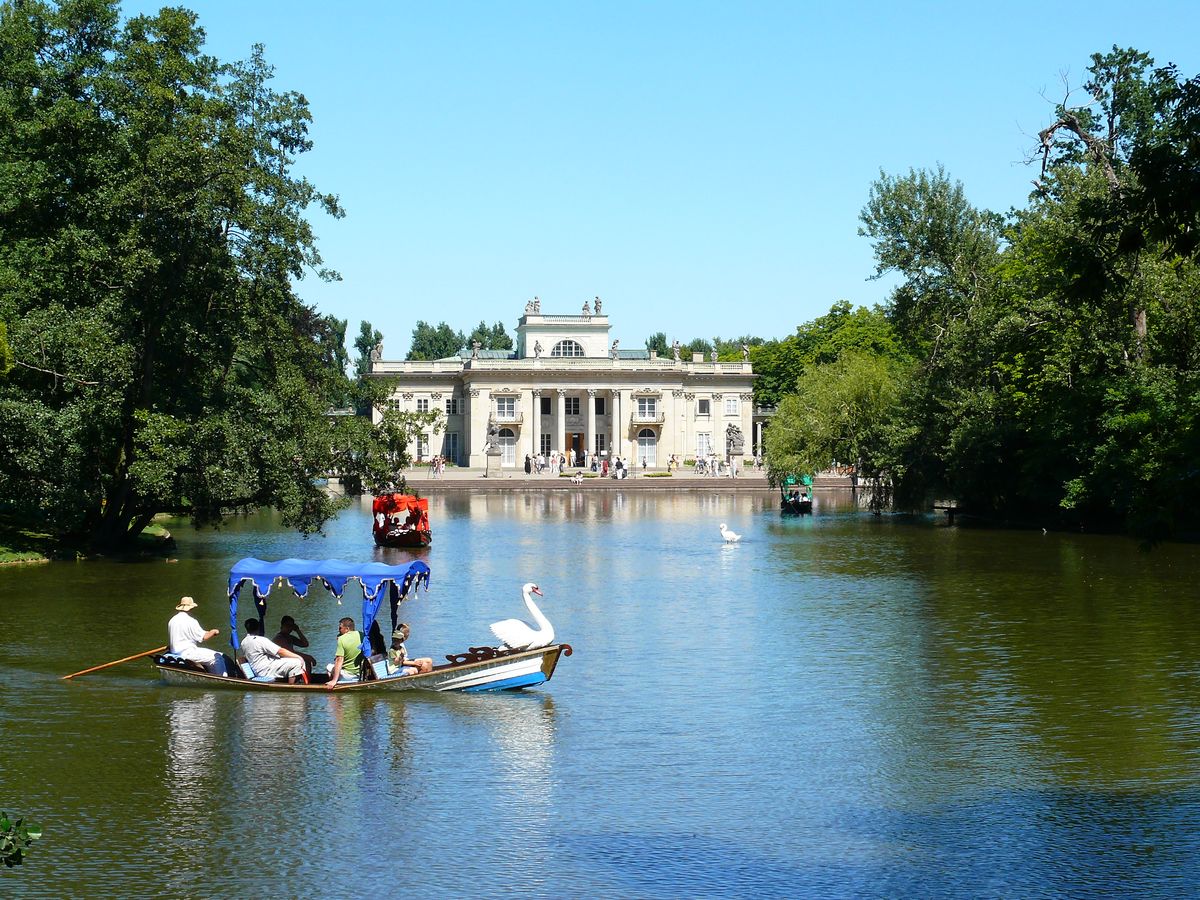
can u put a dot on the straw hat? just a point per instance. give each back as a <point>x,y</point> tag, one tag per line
<point>186,603</point>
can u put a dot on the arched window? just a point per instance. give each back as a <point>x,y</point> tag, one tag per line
<point>567,348</point>
<point>647,448</point>
<point>508,447</point>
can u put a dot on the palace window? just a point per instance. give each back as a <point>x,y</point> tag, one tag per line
<point>423,405</point>
<point>393,404</point>
<point>545,406</point>
<point>572,406</point>
<point>567,348</point>
<point>731,406</point>
<point>703,407</point>
<point>703,443</point>
<point>647,407</point>
<point>601,445</point>
<point>422,446</point>
<point>452,409</point>
<point>450,446</point>
<point>506,407</point>
<point>600,406</point>
<point>544,440</point>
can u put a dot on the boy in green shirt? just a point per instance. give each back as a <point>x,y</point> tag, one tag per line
<point>348,656</point>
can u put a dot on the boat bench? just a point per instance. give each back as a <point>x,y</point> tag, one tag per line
<point>249,673</point>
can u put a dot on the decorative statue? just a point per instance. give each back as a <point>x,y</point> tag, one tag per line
<point>493,436</point>
<point>597,299</point>
<point>475,345</point>
<point>537,349</point>
<point>714,354</point>
<point>733,439</point>
<point>529,307</point>
<point>537,306</point>
<point>745,353</point>
<point>614,349</point>
<point>377,352</point>
<point>587,310</point>
<point>675,350</point>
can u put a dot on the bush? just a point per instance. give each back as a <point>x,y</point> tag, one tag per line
<point>657,475</point>
<point>689,462</point>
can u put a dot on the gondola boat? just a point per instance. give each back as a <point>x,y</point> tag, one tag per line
<point>401,520</point>
<point>478,669</point>
<point>795,498</point>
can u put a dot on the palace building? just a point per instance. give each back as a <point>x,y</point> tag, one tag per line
<point>568,389</point>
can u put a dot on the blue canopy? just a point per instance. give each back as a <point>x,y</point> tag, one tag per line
<point>333,574</point>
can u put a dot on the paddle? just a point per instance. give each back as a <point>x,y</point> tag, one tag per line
<point>117,662</point>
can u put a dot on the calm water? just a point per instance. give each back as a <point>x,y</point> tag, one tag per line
<point>837,706</point>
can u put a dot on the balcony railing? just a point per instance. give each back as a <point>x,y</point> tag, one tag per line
<point>648,418</point>
<point>506,418</point>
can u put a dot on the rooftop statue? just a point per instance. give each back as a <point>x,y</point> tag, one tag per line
<point>537,349</point>
<point>597,299</point>
<point>475,345</point>
<point>614,349</point>
<point>675,350</point>
<point>587,310</point>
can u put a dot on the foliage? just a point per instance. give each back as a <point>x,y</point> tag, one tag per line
<point>15,838</point>
<point>779,364</point>
<point>6,357</point>
<point>658,342</point>
<point>841,411</point>
<point>435,343</point>
<point>493,338</point>
<point>151,232</point>
<point>368,339</point>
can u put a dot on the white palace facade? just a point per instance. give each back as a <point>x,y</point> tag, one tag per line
<point>568,389</point>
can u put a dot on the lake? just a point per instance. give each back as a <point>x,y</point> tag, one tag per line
<point>838,705</point>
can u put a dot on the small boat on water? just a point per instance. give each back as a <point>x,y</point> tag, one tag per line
<point>795,496</point>
<point>401,520</point>
<point>477,669</point>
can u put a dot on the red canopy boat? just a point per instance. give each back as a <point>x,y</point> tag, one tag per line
<point>401,520</point>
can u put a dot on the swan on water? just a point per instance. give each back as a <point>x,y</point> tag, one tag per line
<point>730,537</point>
<point>517,635</point>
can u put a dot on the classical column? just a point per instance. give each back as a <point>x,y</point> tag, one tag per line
<point>615,442</point>
<point>560,425</point>
<point>535,422</point>
<point>477,419</point>
<point>589,440</point>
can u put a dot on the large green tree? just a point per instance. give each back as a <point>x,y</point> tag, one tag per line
<point>429,342</point>
<point>151,232</point>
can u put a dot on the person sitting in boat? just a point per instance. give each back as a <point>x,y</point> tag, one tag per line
<point>184,636</point>
<point>398,655</point>
<point>347,658</point>
<point>290,637</point>
<point>268,659</point>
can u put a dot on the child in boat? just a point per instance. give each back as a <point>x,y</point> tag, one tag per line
<point>398,655</point>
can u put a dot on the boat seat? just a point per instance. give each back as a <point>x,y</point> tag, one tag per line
<point>174,659</point>
<point>249,672</point>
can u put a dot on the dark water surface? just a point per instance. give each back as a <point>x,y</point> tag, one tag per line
<point>836,706</point>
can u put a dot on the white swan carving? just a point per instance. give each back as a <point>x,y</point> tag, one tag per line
<point>730,537</point>
<point>517,635</point>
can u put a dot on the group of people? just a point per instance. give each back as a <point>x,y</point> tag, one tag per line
<point>437,467</point>
<point>715,467</point>
<point>280,658</point>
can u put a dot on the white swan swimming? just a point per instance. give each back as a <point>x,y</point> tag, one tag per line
<point>730,537</point>
<point>516,635</point>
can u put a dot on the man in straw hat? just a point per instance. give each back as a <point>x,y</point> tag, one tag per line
<point>184,636</point>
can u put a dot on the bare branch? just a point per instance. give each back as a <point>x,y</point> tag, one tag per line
<point>73,378</point>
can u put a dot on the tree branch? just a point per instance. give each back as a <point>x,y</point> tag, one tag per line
<point>73,378</point>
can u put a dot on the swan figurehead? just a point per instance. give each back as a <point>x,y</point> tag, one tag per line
<point>517,635</point>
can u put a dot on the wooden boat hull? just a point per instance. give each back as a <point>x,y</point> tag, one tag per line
<point>512,671</point>
<point>405,539</point>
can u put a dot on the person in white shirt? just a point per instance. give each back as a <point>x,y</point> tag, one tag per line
<point>268,659</point>
<point>184,636</point>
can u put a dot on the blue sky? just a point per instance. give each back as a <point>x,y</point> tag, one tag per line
<point>700,166</point>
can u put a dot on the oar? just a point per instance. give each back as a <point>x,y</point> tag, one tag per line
<point>117,662</point>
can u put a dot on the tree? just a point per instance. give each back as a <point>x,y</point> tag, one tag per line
<point>435,343</point>
<point>658,342</point>
<point>493,338</point>
<point>845,410</point>
<point>368,339</point>
<point>6,357</point>
<point>152,233</point>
